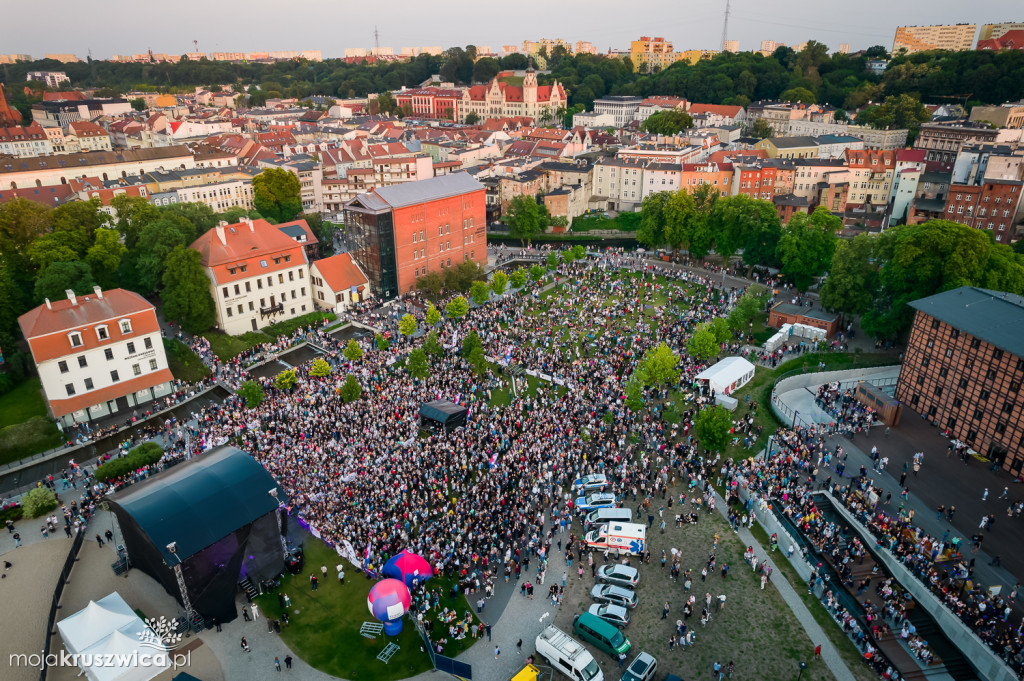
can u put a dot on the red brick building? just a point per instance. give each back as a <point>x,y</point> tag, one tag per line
<point>963,370</point>
<point>402,232</point>
<point>989,205</point>
<point>431,102</point>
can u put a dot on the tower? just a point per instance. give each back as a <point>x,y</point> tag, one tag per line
<point>530,89</point>
<point>9,116</point>
<point>725,26</point>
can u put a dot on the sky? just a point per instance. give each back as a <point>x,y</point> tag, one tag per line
<point>330,26</point>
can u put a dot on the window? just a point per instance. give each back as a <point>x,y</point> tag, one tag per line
<point>972,435</point>
<point>131,348</point>
<point>263,263</point>
<point>931,411</point>
<point>1000,428</point>
<point>248,287</point>
<point>937,391</point>
<point>70,387</point>
<point>136,369</point>
<point>997,354</point>
<point>63,366</point>
<point>259,283</point>
<point>990,374</point>
<point>148,342</point>
<point>914,400</point>
<point>224,292</point>
<point>75,338</point>
<point>126,325</point>
<point>1014,386</point>
<point>114,377</point>
<point>1007,407</point>
<point>88,384</point>
<point>101,333</point>
<point>957,402</point>
<point>984,395</point>
<point>943,372</point>
<point>975,344</point>
<point>951,422</point>
<point>230,313</point>
<point>979,414</point>
<point>963,383</point>
<point>109,354</point>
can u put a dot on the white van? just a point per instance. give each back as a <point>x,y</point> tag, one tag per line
<point>626,537</point>
<point>601,516</point>
<point>568,655</point>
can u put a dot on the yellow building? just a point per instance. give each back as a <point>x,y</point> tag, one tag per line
<point>990,31</point>
<point>952,37</point>
<point>654,54</point>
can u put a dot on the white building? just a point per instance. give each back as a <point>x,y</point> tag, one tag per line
<point>219,196</point>
<point>97,354</point>
<point>621,107</point>
<point>593,120</point>
<point>51,78</point>
<point>258,272</point>
<point>338,283</point>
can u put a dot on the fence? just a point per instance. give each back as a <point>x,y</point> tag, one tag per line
<point>65,572</point>
<point>798,379</point>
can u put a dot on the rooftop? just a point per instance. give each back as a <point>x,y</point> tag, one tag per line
<point>993,316</point>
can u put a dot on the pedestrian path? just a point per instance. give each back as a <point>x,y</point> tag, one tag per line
<point>814,631</point>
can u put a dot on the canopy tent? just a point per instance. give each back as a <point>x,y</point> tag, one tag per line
<point>442,414</point>
<point>109,627</point>
<point>728,375</point>
<point>218,514</point>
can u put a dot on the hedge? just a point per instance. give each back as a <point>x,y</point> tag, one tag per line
<point>38,434</point>
<point>286,327</point>
<point>144,455</point>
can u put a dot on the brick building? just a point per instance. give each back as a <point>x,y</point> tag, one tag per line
<point>990,205</point>
<point>393,230</point>
<point>943,141</point>
<point>963,369</point>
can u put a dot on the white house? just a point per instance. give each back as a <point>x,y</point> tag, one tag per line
<point>338,283</point>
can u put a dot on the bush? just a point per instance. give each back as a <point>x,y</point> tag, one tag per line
<point>13,513</point>
<point>38,501</point>
<point>288,326</point>
<point>145,454</point>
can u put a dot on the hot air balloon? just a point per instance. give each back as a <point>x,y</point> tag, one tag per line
<point>388,601</point>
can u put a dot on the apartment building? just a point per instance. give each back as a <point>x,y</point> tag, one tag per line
<point>97,354</point>
<point>258,272</point>
<point>952,37</point>
<point>51,170</point>
<point>25,141</point>
<point>1009,115</point>
<point>52,79</point>
<point>622,108</point>
<point>943,141</point>
<point>991,31</point>
<point>83,136</point>
<point>988,204</point>
<point>963,370</point>
<point>219,196</point>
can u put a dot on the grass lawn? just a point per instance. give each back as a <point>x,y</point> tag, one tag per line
<point>184,364</point>
<point>226,347</point>
<point>25,427</point>
<point>324,629</point>
<point>22,403</point>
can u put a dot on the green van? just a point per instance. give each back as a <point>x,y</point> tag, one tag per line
<point>605,636</point>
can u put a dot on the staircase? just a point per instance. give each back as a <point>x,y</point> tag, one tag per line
<point>251,592</point>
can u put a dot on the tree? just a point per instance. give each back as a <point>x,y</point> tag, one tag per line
<point>667,122</point>
<point>470,343</point>
<point>798,94</point>
<point>472,118</point>
<point>79,220</point>
<point>457,308</point>
<point>156,242</point>
<point>499,282</point>
<point>51,248</point>
<point>416,364</point>
<point>286,380</point>
<point>478,361</point>
<point>38,501</point>
<point>275,194</point>
<point>634,394</point>
<point>520,276</point>
<point>381,341</point>
<point>552,261</point>
<point>523,217</point>
<point>659,365</point>
<point>186,294</point>
<point>896,111</point>
<point>350,390</point>
<point>133,213</point>
<point>702,343</point>
<point>536,272</point>
<point>720,327</point>
<point>432,344</point>
<point>567,256</point>
<point>807,245</point>
<point>485,69</point>
<point>480,293</point>
<point>653,231</point>
<point>852,281</point>
<point>712,427</point>
<point>139,104</point>
<point>353,351</point>
<point>104,257</point>
<point>579,252</point>
<point>407,325</point>
<point>61,276</point>
<point>252,393</point>
<point>433,315</point>
<point>320,368</point>
<point>760,129</point>
<point>432,283</point>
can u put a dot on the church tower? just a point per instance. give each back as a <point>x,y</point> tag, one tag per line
<point>530,88</point>
<point>9,116</point>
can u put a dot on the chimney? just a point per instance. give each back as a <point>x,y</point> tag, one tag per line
<point>99,292</point>
<point>248,221</point>
<point>49,305</point>
<point>220,232</point>
<point>71,296</point>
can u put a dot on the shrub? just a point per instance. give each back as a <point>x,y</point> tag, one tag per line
<point>286,327</point>
<point>14,512</point>
<point>30,437</point>
<point>145,454</point>
<point>38,501</point>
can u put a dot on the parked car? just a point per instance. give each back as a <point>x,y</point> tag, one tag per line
<point>596,500</point>
<point>642,668</point>
<point>620,575</point>
<point>612,614</point>
<point>590,483</point>
<point>609,593</point>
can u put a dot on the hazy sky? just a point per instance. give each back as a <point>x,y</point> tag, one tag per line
<point>331,26</point>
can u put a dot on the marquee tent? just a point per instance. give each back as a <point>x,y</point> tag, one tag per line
<point>727,376</point>
<point>442,414</point>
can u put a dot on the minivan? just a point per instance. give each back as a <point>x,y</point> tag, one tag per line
<point>608,515</point>
<point>602,634</point>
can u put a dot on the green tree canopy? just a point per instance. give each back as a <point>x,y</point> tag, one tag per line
<point>407,325</point>
<point>499,282</point>
<point>807,245</point>
<point>276,194</point>
<point>432,344</point>
<point>416,364</point>
<point>320,368</point>
<point>712,427</point>
<point>353,351</point>
<point>667,122</point>
<point>702,343</point>
<point>519,277</point>
<point>457,307</point>
<point>61,276</point>
<point>286,380</point>
<point>480,292</point>
<point>350,390</point>
<point>253,394</point>
<point>537,272</point>
<point>659,366</point>
<point>186,294</point>
<point>852,281</point>
<point>523,217</point>
<point>104,257</point>
<point>433,315</point>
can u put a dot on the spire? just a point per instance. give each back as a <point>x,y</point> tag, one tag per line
<point>529,65</point>
<point>9,116</point>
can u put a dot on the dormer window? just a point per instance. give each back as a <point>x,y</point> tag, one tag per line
<point>126,325</point>
<point>76,339</point>
<point>101,333</point>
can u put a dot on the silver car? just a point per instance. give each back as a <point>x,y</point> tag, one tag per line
<point>620,575</point>
<point>616,595</point>
<point>615,615</point>
<point>642,668</point>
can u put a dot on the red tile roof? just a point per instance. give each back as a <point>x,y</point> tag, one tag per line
<point>340,272</point>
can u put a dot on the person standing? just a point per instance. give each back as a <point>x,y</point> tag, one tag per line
<point>245,645</point>
<point>497,652</point>
<point>277,663</point>
<point>622,659</point>
<point>664,611</point>
<point>255,611</point>
<point>487,626</point>
<point>984,495</point>
<point>287,661</point>
<point>519,647</point>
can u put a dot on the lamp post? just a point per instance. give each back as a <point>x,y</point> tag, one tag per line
<point>803,666</point>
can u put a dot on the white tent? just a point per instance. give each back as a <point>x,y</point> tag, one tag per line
<point>728,375</point>
<point>109,627</point>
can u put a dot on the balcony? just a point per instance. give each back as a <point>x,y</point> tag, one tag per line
<point>271,310</point>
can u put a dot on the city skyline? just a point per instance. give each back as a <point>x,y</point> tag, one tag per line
<point>875,22</point>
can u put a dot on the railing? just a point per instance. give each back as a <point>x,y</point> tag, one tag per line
<point>62,581</point>
<point>790,415</point>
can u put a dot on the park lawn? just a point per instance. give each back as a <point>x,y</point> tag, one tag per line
<point>324,628</point>
<point>23,402</point>
<point>226,347</point>
<point>183,363</point>
<point>25,426</point>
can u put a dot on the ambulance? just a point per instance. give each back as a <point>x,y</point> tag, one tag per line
<point>626,537</point>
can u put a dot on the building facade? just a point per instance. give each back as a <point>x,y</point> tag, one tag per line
<point>98,354</point>
<point>622,108</point>
<point>403,232</point>
<point>259,273</point>
<point>952,37</point>
<point>963,369</point>
<point>943,141</point>
<point>501,100</point>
